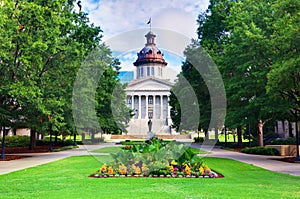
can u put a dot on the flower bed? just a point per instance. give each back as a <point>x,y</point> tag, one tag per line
<point>156,158</point>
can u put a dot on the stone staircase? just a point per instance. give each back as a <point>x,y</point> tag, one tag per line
<point>140,126</point>
<point>178,137</point>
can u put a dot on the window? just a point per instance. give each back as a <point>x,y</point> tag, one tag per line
<point>150,100</point>
<point>142,72</point>
<point>152,71</point>
<point>148,71</point>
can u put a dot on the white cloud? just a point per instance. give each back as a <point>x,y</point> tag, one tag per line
<point>116,17</point>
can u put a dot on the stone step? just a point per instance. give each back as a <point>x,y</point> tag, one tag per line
<point>161,136</point>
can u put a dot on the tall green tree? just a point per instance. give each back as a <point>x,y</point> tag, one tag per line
<point>284,76</point>
<point>48,40</point>
<point>247,61</point>
<point>99,97</point>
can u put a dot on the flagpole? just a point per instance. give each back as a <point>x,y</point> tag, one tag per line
<point>150,23</point>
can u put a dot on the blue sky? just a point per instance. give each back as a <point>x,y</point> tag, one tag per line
<point>115,17</point>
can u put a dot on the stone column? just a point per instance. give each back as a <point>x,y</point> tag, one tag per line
<point>140,107</point>
<point>161,107</point>
<point>146,116</point>
<point>154,111</point>
<point>132,102</point>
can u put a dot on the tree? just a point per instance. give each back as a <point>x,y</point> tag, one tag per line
<point>48,41</point>
<point>247,61</point>
<point>99,98</point>
<point>284,76</point>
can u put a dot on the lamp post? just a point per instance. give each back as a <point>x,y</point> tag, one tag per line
<point>297,136</point>
<point>50,117</point>
<point>249,134</point>
<point>3,146</point>
<point>249,137</point>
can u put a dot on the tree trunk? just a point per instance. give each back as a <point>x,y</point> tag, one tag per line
<point>74,140</point>
<point>290,130</point>
<point>14,131</point>
<point>55,139</point>
<point>216,134</point>
<point>206,134</point>
<point>83,136</point>
<point>225,134</point>
<point>93,137</point>
<point>260,133</point>
<point>32,145</point>
<point>239,134</point>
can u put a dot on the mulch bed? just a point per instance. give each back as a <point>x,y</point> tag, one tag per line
<point>13,157</point>
<point>286,159</point>
<point>20,150</point>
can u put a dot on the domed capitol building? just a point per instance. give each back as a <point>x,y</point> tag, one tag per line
<point>148,93</point>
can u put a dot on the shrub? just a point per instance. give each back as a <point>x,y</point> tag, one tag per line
<point>288,141</point>
<point>199,139</point>
<point>92,141</point>
<point>17,141</point>
<point>261,151</point>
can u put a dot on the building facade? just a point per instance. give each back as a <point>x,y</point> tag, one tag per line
<point>148,94</point>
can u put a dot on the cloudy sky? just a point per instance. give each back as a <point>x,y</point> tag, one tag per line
<point>116,17</point>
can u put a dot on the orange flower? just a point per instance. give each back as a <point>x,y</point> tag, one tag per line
<point>122,169</point>
<point>187,169</point>
<point>104,167</point>
<point>110,171</point>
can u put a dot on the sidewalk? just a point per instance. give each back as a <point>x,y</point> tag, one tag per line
<point>257,160</point>
<point>43,158</point>
<point>266,162</point>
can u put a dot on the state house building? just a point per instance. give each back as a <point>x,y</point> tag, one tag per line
<point>148,93</point>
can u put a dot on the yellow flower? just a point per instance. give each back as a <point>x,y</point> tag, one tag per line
<point>173,162</point>
<point>206,168</point>
<point>136,170</point>
<point>187,169</point>
<point>144,167</point>
<point>122,169</point>
<point>201,170</point>
<point>110,171</point>
<point>104,167</point>
<point>170,168</point>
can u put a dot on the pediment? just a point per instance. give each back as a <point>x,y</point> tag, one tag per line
<point>149,83</point>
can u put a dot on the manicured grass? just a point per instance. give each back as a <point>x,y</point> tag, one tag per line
<point>117,149</point>
<point>68,178</point>
<point>199,151</point>
<point>109,149</point>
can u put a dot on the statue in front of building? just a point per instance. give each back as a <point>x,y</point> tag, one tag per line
<point>150,125</point>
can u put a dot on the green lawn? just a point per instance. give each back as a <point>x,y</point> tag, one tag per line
<point>109,149</point>
<point>117,149</point>
<point>68,178</point>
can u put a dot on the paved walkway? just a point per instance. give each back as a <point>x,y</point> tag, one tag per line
<point>267,162</point>
<point>43,158</point>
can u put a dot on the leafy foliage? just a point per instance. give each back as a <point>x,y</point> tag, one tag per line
<point>157,157</point>
<point>261,151</point>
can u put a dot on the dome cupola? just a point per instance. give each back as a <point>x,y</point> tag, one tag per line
<point>150,61</point>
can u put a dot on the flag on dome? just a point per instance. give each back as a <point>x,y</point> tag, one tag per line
<point>149,21</point>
